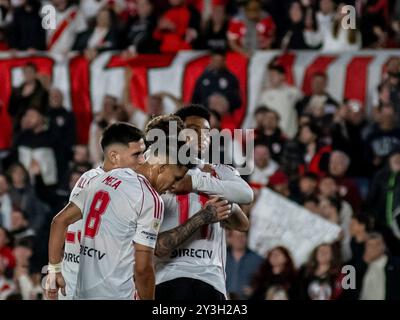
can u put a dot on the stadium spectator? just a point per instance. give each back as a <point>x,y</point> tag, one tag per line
<point>348,132</point>
<point>383,201</point>
<point>268,131</point>
<point>241,265</point>
<point>264,166</point>
<point>384,136</point>
<point>63,122</point>
<point>7,259</point>
<point>378,272</point>
<point>306,153</point>
<point>20,228</point>
<point>139,30</point>
<point>219,103</point>
<point>279,182</point>
<point>321,276</point>
<point>38,142</point>
<point>277,270</point>
<point>22,277</point>
<point>307,187</point>
<point>69,23</point>
<point>25,30</point>
<point>216,78</point>
<point>5,204</point>
<point>319,83</point>
<point>339,163</point>
<point>178,28</point>
<point>110,113</point>
<point>103,36</point>
<point>31,93</point>
<point>311,203</point>
<point>330,208</point>
<point>374,23</point>
<point>359,228</point>
<point>214,33</point>
<point>340,39</point>
<point>302,32</point>
<point>325,16</point>
<point>7,287</point>
<point>282,98</point>
<point>23,197</point>
<point>255,30</point>
<point>81,158</point>
<point>5,13</point>
<point>329,188</point>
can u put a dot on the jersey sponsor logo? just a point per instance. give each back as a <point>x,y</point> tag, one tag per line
<point>193,253</point>
<point>71,257</point>
<point>149,235</point>
<point>92,253</point>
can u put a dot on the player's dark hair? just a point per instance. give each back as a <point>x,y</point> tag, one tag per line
<point>122,133</point>
<point>193,110</point>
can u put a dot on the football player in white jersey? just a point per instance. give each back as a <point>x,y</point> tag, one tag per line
<point>120,207</point>
<point>123,146</point>
<point>191,256</point>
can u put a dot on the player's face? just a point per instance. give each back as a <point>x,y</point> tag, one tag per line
<point>131,156</point>
<point>202,128</point>
<point>168,175</point>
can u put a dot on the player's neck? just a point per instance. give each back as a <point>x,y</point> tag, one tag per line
<point>107,165</point>
<point>145,170</point>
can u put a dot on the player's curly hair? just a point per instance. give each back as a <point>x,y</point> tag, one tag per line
<point>163,123</point>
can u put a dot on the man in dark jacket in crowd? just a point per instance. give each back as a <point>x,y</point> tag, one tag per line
<point>63,122</point>
<point>384,201</point>
<point>30,94</point>
<point>217,79</point>
<point>26,31</point>
<point>377,274</point>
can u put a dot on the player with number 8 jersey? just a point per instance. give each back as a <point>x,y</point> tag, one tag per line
<point>120,208</point>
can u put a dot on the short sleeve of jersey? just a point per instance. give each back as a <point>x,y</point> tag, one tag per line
<point>150,214</point>
<point>79,198</point>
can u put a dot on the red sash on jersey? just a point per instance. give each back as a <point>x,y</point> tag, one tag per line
<point>61,28</point>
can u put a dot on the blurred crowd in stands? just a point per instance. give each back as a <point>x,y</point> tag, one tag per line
<point>332,157</point>
<point>149,26</point>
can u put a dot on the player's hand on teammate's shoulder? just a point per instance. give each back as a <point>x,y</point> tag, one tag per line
<point>216,209</point>
<point>54,283</point>
<point>183,186</point>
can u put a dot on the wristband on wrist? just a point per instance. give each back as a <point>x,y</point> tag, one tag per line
<point>54,268</point>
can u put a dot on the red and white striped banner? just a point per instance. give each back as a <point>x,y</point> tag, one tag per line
<point>84,84</point>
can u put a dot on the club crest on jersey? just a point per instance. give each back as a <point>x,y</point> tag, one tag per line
<point>156,225</point>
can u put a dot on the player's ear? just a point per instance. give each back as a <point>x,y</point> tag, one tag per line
<point>113,155</point>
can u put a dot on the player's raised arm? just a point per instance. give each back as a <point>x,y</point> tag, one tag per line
<point>70,214</point>
<point>222,180</point>
<point>215,210</point>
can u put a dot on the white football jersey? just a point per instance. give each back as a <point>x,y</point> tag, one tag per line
<point>203,256</point>
<point>119,208</point>
<point>70,264</point>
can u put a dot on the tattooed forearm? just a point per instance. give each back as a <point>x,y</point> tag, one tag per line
<point>169,240</point>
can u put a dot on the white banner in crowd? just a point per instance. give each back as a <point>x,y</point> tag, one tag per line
<point>276,221</point>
